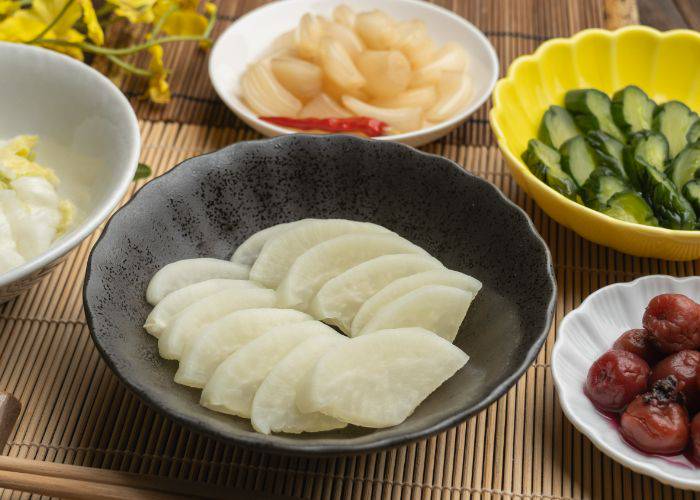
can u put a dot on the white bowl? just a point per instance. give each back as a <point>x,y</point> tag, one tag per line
<point>249,37</point>
<point>586,333</point>
<point>88,133</point>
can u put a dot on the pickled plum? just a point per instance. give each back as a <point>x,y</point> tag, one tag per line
<point>684,366</point>
<point>638,341</point>
<point>655,422</point>
<point>674,322</point>
<point>615,379</point>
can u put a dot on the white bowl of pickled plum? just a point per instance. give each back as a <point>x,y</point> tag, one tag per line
<point>626,365</point>
<point>398,70</point>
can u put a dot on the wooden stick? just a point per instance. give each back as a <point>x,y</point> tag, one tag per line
<point>619,13</point>
<point>71,481</point>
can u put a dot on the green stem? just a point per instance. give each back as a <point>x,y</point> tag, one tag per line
<point>159,25</point>
<point>129,67</point>
<point>105,51</point>
<point>54,22</point>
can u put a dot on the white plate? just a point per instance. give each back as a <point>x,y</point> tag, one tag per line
<point>586,333</point>
<point>250,36</point>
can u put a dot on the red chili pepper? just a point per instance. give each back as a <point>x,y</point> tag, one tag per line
<point>368,126</point>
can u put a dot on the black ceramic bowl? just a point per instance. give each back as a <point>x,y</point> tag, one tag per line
<point>210,204</point>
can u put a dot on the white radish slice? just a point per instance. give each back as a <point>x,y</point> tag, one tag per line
<point>9,257</point>
<point>455,90</point>
<point>387,72</point>
<point>402,286</point>
<point>280,252</point>
<point>438,308</point>
<point>249,250</point>
<point>451,57</point>
<point>401,119</point>
<point>410,35</point>
<point>33,226</point>
<point>194,318</point>
<point>36,191</point>
<point>274,406</point>
<point>338,65</point>
<point>322,106</point>
<point>421,55</point>
<point>344,15</point>
<point>233,384</point>
<point>265,95</point>
<point>376,29</point>
<point>325,261</point>
<point>340,298</point>
<point>346,36</point>
<point>378,380</point>
<point>174,303</point>
<point>185,272</point>
<point>225,336</point>
<point>284,44</point>
<point>308,36</point>
<point>421,97</point>
<point>301,78</point>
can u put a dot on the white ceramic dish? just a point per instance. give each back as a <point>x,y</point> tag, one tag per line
<point>250,36</point>
<point>88,133</point>
<point>586,333</point>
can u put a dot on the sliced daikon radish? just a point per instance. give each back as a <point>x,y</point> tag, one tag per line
<point>402,286</point>
<point>175,302</point>
<point>336,92</point>
<point>248,251</point>
<point>338,65</point>
<point>438,308</point>
<point>344,15</point>
<point>283,45</point>
<point>387,72</point>
<point>308,36</point>
<point>33,226</point>
<point>410,35</point>
<point>346,36</point>
<point>421,55</point>
<point>376,29</point>
<point>274,405</point>
<point>451,57</point>
<point>301,78</point>
<point>233,384</point>
<point>185,272</point>
<point>36,191</point>
<point>421,97</point>
<point>322,106</point>
<point>280,252</point>
<point>225,336</point>
<point>340,298</point>
<point>265,95</point>
<point>192,320</point>
<point>378,380</point>
<point>325,261</point>
<point>401,119</point>
<point>455,90</point>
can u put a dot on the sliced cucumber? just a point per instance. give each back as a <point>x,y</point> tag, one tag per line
<point>630,207</point>
<point>601,186</point>
<point>591,110</point>
<point>674,119</point>
<point>578,159</point>
<point>670,207</point>
<point>632,109</point>
<point>691,191</point>
<point>685,166</point>
<point>694,133</point>
<point>557,127</point>
<point>644,148</point>
<point>608,151</point>
<point>545,163</point>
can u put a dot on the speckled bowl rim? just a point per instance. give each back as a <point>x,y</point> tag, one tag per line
<point>305,447</point>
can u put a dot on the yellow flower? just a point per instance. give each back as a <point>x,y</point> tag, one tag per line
<point>94,30</point>
<point>158,88</point>
<point>182,17</point>
<point>7,7</point>
<point>26,24</point>
<point>136,11</point>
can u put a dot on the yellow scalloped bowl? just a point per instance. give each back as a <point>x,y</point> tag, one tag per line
<point>665,65</point>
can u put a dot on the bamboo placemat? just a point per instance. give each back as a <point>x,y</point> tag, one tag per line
<point>76,412</point>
